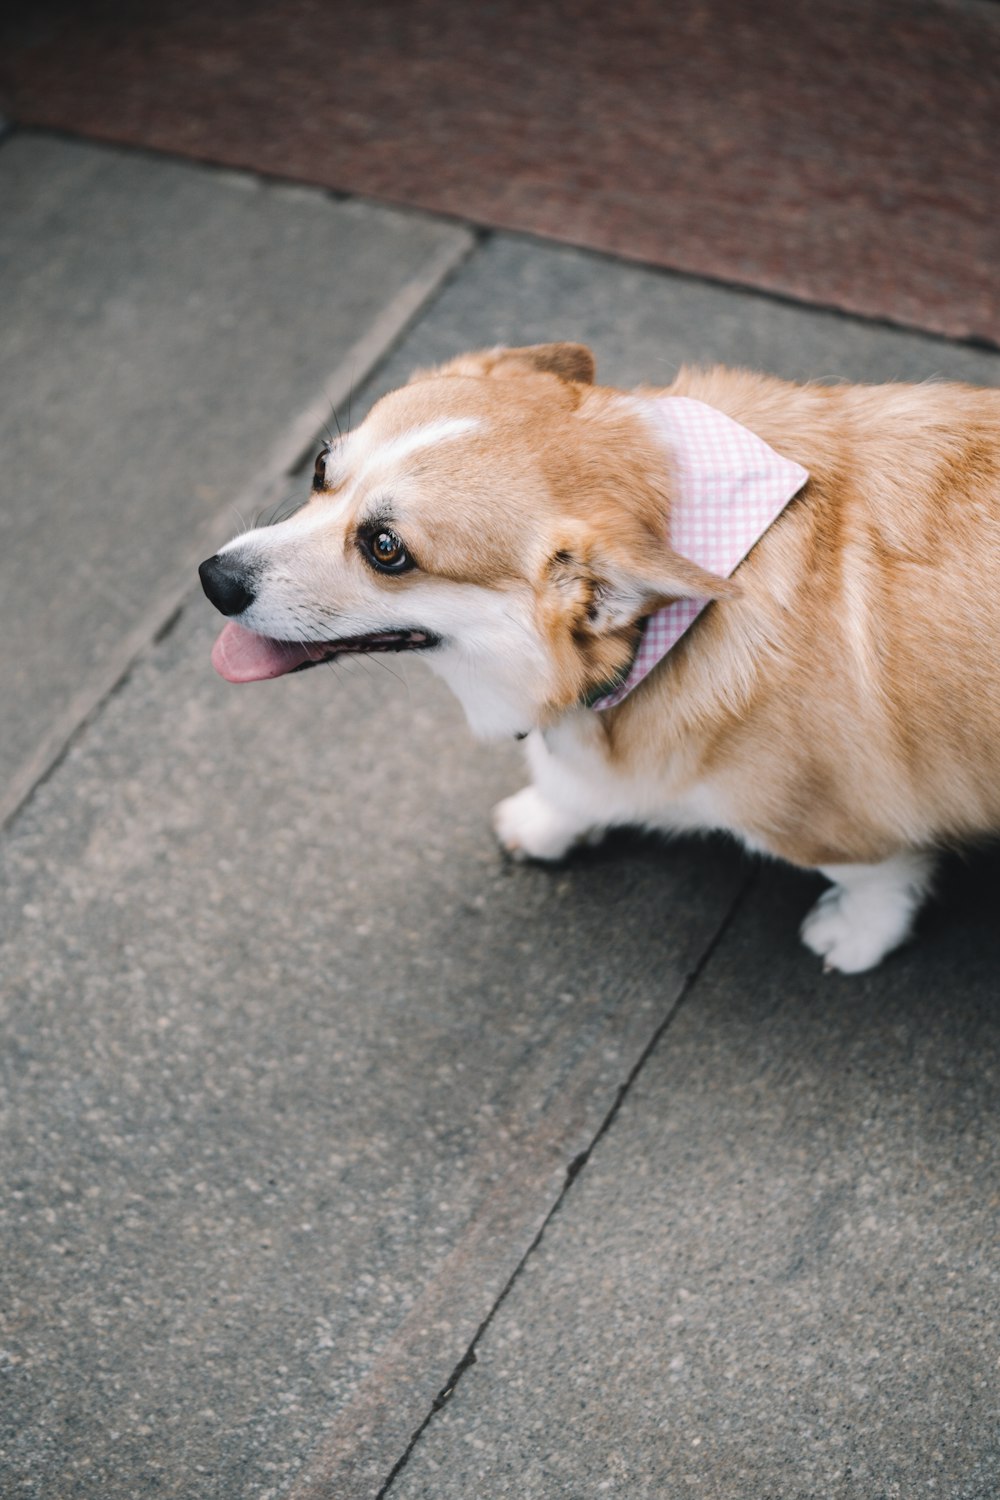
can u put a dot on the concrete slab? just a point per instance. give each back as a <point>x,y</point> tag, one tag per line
<point>297,1067</point>
<point>778,1273</point>
<point>644,324</point>
<point>164,329</point>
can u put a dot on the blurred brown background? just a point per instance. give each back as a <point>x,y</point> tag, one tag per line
<point>844,154</point>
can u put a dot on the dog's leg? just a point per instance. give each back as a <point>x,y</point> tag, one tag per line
<point>546,820</point>
<point>868,911</point>
<point>529,826</point>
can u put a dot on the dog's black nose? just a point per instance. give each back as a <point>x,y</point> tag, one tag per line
<point>228,585</point>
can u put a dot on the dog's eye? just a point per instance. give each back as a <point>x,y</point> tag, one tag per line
<point>319,469</point>
<point>386,551</point>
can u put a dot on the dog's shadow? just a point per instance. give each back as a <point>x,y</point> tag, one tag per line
<point>952,961</point>
<point>889,1078</point>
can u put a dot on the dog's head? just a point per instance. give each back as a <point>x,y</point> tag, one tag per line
<point>501,514</point>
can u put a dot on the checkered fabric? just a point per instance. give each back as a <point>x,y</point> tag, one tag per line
<point>728,488</point>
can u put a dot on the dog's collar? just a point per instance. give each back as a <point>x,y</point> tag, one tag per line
<point>728,486</point>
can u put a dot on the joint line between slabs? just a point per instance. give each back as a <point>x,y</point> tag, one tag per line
<point>360,363</point>
<point>573,1171</point>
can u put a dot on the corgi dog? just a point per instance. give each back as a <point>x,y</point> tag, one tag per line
<point>829,696</point>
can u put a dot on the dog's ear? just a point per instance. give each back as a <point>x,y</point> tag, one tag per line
<point>618,585</point>
<point>571,362</point>
<point>628,590</point>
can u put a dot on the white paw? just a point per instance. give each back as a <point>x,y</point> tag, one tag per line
<point>854,930</point>
<point>529,827</point>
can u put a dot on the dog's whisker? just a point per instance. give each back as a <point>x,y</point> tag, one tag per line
<point>365,663</point>
<point>283,509</point>
<point>386,668</point>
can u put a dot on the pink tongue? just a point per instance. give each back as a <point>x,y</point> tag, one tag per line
<point>240,656</point>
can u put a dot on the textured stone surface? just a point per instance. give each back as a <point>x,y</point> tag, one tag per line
<point>162,327</point>
<point>643,325</point>
<point>295,1066</point>
<point>281,1029</point>
<point>779,1273</point>
<point>844,153</point>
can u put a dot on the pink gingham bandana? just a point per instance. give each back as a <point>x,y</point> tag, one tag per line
<point>728,488</point>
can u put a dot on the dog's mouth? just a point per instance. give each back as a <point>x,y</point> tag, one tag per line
<point>240,655</point>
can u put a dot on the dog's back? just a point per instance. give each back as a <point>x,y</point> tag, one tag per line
<point>863,702</point>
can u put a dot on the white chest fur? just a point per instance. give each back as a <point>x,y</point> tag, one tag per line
<point>578,794</point>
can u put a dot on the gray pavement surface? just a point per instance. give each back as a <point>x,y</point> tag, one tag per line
<point>778,1274</point>
<point>296,1064</point>
<point>161,329</point>
<point>296,1068</point>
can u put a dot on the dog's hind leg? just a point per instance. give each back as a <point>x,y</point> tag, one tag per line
<point>868,911</point>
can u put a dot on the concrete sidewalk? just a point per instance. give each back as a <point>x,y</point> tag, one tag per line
<point>342,1159</point>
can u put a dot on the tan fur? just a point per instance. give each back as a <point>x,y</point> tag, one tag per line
<point>870,720</point>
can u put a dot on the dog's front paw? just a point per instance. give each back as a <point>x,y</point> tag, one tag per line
<point>529,827</point>
<point>851,933</point>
